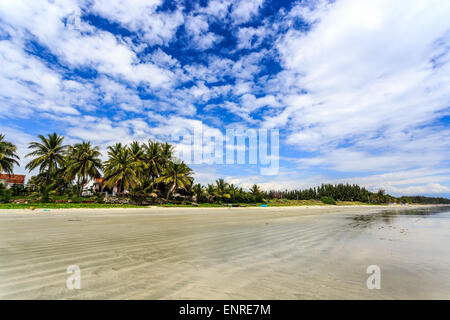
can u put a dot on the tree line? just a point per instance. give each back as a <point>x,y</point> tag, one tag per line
<point>339,192</point>
<point>150,170</point>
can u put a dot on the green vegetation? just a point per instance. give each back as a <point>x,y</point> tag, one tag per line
<point>142,174</point>
<point>5,195</point>
<point>83,163</point>
<point>328,200</point>
<point>64,205</point>
<point>422,199</point>
<point>8,155</point>
<point>48,155</point>
<point>350,193</point>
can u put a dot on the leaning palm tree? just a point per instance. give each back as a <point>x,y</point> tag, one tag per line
<point>8,155</point>
<point>177,175</point>
<point>120,169</point>
<point>48,154</point>
<point>83,163</point>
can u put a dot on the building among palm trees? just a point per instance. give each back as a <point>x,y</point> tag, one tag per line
<point>12,180</point>
<point>97,185</point>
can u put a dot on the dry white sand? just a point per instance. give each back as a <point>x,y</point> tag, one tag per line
<point>199,253</point>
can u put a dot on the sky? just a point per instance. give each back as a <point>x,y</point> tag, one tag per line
<point>358,89</point>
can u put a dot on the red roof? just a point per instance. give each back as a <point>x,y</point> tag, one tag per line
<point>14,178</point>
<point>101,180</point>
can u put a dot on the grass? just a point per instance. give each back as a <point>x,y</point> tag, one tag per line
<point>64,205</point>
<point>272,203</point>
<point>200,205</point>
<point>355,203</point>
<point>291,203</point>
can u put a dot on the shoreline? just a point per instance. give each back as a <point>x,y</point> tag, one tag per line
<point>152,208</point>
<point>291,211</point>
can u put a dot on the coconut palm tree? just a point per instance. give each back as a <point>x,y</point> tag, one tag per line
<point>233,192</point>
<point>83,163</point>
<point>222,189</point>
<point>166,151</point>
<point>177,175</point>
<point>210,193</point>
<point>48,154</point>
<point>199,192</point>
<point>120,169</point>
<point>153,159</point>
<point>256,192</point>
<point>8,155</point>
<point>137,152</point>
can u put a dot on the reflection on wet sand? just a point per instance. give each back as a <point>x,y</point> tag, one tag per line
<point>236,253</point>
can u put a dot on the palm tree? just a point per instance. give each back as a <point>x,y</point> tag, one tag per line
<point>83,162</point>
<point>233,191</point>
<point>166,152</point>
<point>199,192</point>
<point>8,155</point>
<point>256,192</point>
<point>177,175</point>
<point>210,193</point>
<point>49,154</point>
<point>222,189</point>
<point>43,193</point>
<point>120,169</point>
<point>137,152</point>
<point>153,159</point>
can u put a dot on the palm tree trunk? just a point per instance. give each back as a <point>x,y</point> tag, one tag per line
<point>79,187</point>
<point>170,190</point>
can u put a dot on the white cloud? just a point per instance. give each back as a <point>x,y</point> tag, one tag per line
<point>27,85</point>
<point>244,10</point>
<point>141,16</point>
<point>78,43</point>
<point>249,37</point>
<point>431,188</point>
<point>217,8</point>
<point>197,28</point>
<point>370,84</point>
<point>360,91</point>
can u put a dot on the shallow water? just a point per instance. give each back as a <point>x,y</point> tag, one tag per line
<point>412,248</point>
<point>236,253</point>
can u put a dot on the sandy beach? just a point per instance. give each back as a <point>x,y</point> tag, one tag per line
<point>225,253</point>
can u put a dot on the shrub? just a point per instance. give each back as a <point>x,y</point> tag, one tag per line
<point>75,199</point>
<point>328,200</point>
<point>5,195</point>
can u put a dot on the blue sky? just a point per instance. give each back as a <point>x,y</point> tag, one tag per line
<point>359,90</point>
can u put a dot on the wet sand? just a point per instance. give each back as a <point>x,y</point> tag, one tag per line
<point>226,253</point>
